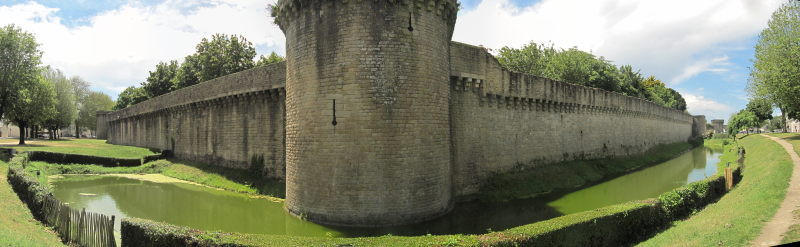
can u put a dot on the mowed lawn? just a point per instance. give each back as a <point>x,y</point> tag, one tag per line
<point>793,235</point>
<point>92,147</point>
<point>17,225</point>
<point>739,216</point>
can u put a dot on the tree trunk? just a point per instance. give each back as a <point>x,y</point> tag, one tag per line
<point>22,134</point>
<point>77,133</point>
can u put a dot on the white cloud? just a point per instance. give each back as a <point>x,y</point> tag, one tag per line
<point>660,37</point>
<point>699,105</point>
<point>716,65</point>
<point>118,47</point>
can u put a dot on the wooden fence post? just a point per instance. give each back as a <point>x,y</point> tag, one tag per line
<point>728,179</point>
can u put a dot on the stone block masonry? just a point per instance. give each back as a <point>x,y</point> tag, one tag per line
<point>234,121</point>
<point>377,118</point>
<point>502,119</point>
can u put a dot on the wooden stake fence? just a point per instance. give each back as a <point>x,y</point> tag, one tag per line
<point>78,226</point>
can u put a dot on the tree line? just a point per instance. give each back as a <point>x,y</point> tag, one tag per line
<point>221,55</point>
<point>583,68</point>
<point>775,75</point>
<point>36,97</point>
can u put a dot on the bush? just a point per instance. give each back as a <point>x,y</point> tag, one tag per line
<point>616,225</point>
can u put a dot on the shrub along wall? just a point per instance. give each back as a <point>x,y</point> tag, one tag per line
<point>617,225</point>
<point>64,158</point>
<point>75,227</point>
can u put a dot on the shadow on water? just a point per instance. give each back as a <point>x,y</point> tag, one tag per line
<point>209,209</point>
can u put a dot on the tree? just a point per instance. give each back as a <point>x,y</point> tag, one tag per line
<point>35,103</point>
<point>81,88</point>
<point>65,103</point>
<point>96,101</point>
<point>187,73</point>
<point>583,68</point>
<point>223,55</point>
<point>775,74</point>
<point>19,61</point>
<point>742,120</point>
<point>161,80</point>
<point>272,58</point>
<point>761,107</point>
<point>775,123</point>
<point>130,96</point>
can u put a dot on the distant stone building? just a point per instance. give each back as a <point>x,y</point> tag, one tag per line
<point>70,131</point>
<point>792,125</point>
<point>719,126</point>
<point>8,130</point>
<point>698,125</point>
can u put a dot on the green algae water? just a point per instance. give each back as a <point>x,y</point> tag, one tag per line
<point>209,209</point>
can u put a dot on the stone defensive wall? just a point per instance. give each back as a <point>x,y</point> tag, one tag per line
<point>503,120</point>
<point>499,121</point>
<point>235,121</point>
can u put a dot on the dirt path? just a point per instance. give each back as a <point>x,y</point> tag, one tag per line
<point>779,224</point>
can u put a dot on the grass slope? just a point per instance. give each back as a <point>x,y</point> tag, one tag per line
<point>793,235</point>
<point>572,174</point>
<point>92,147</point>
<point>738,217</point>
<point>17,225</point>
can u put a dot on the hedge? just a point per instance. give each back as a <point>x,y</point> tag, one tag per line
<point>26,186</point>
<point>64,158</point>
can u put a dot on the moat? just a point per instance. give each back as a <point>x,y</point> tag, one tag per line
<point>209,209</point>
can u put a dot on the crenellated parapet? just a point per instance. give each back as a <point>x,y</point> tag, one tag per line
<point>285,10</point>
<point>533,93</point>
<point>267,79</point>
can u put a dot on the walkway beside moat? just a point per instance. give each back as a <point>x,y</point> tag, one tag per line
<point>772,232</point>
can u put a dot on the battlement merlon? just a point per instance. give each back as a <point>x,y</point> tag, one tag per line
<point>284,10</point>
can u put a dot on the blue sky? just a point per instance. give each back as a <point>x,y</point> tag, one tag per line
<point>701,48</point>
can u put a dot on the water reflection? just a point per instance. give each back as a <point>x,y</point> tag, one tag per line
<point>208,209</point>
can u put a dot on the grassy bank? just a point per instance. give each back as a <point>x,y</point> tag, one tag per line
<point>92,147</point>
<point>793,235</point>
<point>17,225</point>
<point>241,181</point>
<point>738,217</point>
<point>572,174</point>
<point>236,180</point>
<point>718,143</point>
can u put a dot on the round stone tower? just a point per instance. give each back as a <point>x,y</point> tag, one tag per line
<point>367,109</point>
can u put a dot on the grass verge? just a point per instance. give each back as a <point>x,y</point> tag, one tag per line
<point>91,147</point>
<point>793,234</point>
<point>526,183</point>
<point>229,179</point>
<point>17,225</point>
<point>738,217</point>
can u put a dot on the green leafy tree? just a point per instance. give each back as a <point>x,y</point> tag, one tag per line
<point>187,73</point>
<point>130,96</point>
<point>65,103</point>
<point>35,103</point>
<point>272,58</point>
<point>583,68</point>
<point>223,55</point>
<point>743,120</point>
<point>776,123</point>
<point>96,101</point>
<point>19,61</point>
<point>631,82</point>
<point>761,107</point>
<point>775,74</point>
<point>81,88</point>
<point>161,80</point>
